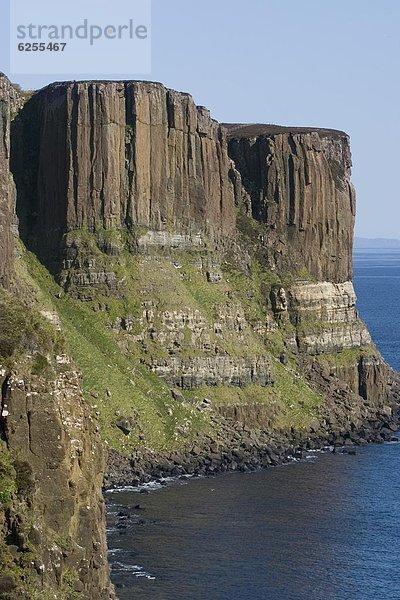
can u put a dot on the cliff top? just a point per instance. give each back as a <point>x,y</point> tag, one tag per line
<point>243,130</point>
<point>123,82</point>
<point>234,130</point>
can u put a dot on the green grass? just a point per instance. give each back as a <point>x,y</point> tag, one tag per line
<point>347,357</point>
<point>249,229</point>
<point>23,331</point>
<point>110,359</point>
<point>136,392</point>
<point>134,389</point>
<point>69,579</point>
<point>289,402</point>
<point>8,477</point>
<point>298,403</point>
<point>252,289</point>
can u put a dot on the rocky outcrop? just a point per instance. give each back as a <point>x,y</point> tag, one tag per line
<point>323,314</point>
<point>57,513</point>
<point>123,154</point>
<point>118,166</point>
<point>368,376</point>
<point>9,100</point>
<point>212,371</point>
<point>296,182</point>
<point>322,302</point>
<point>343,336</point>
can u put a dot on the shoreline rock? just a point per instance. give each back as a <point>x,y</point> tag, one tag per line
<point>256,449</point>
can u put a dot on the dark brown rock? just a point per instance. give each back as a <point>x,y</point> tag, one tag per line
<point>7,584</point>
<point>8,105</point>
<point>59,472</point>
<point>297,183</point>
<point>123,154</point>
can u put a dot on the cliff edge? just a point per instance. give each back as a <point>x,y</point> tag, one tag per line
<point>199,277</point>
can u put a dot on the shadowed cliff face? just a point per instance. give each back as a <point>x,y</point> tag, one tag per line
<point>116,155</point>
<point>8,104</point>
<point>297,182</point>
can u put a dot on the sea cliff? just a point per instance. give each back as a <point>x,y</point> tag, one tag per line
<point>192,285</point>
<point>52,535</point>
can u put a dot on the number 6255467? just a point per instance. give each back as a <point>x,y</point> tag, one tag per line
<point>42,47</point>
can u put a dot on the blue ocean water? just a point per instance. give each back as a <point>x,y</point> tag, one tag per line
<point>377,284</point>
<point>324,529</point>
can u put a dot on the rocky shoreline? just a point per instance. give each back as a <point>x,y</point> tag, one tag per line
<point>247,450</point>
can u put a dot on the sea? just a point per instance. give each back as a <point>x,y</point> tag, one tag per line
<point>325,528</point>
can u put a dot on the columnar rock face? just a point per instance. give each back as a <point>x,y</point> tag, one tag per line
<point>8,103</point>
<point>119,154</point>
<point>117,158</point>
<point>297,183</point>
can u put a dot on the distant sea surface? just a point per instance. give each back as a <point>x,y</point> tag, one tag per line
<point>327,528</point>
<point>377,283</point>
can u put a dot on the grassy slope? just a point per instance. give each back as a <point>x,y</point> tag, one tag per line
<point>117,384</point>
<point>134,389</point>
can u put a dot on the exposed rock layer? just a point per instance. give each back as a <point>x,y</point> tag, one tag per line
<point>213,371</point>
<point>325,317</point>
<point>8,104</point>
<point>124,154</point>
<point>120,154</point>
<point>60,457</point>
<point>296,182</point>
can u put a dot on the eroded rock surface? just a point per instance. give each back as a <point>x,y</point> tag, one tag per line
<point>203,278</point>
<point>297,184</point>
<point>9,100</point>
<point>124,154</point>
<point>325,317</point>
<point>58,511</point>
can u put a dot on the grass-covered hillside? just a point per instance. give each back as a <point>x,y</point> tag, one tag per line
<point>167,309</point>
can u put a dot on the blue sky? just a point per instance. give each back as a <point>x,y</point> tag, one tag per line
<point>328,63</point>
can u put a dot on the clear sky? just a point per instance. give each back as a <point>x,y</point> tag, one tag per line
<point>326,63</point>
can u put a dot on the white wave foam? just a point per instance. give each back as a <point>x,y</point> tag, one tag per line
<point>151,486</point>
<point>134,570</point>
